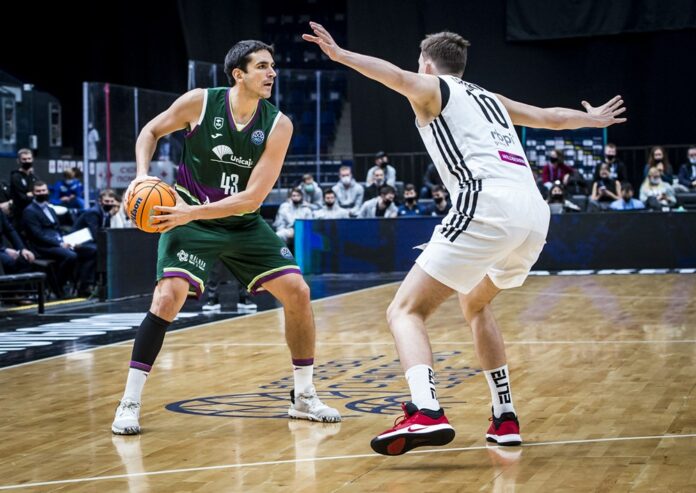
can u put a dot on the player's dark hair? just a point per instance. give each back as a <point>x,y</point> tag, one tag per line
<point>447,50</point>
<point>328,191</point>
<point>238,56</point>
<point>385,189</point>
<point>408,187</point>
<point>39,183</point>
<point>626,187</point>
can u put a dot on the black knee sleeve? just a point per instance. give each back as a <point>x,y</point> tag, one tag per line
<point>148,341</point>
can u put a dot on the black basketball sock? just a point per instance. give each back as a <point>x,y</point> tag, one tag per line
<point>148,342</point>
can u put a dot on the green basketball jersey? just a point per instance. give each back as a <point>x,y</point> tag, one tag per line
<point>218,159</point>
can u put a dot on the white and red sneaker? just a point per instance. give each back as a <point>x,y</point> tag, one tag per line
<point>504,430</point>
<point>416,428</point>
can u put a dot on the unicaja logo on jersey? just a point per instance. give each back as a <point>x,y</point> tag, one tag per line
<point>218,122</point>
<point>222,150</point>
<point>257,137</point>
<point>182,256</point>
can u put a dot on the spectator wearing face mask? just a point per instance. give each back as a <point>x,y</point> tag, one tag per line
<point>22,182</point>
<point>382,162</point>
<point>605,190</point>
<point>441,204</point>
<point>372,191</point>
<point>330,209</point>
<point>380,206</point>
<point>617,169</point>
<point>655,193</point>
<point>99,216</point>
<point>410,207</point>
<point>558,204</point>
<point>687,171</point>
<point>68,192</point>
<point>627,202</point>
<point>555,169</point>
<point>289,211</point>
<point>311,192</point>
<point>349,193</point>
<point>658,157</point>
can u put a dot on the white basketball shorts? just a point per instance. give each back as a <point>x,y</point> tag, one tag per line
<point>497,231</point>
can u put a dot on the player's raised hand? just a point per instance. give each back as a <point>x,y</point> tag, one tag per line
<point>608,112</point>
<point>171,217</point>
<point>324,40</point>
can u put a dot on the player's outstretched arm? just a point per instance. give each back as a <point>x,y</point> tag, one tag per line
<point>422,90</point>
<point>565,118</point>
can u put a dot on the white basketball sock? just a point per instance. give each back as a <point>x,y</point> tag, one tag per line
<point>421,381</point>
<point>499,383</point>
<point>135,384</point>
<point>302,375</point>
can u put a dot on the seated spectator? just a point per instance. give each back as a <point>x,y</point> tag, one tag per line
<point>658,157</point>
<point>441,204</point>
<point>655,193</point>
<point>68,192</point>
<point>41,224</point>
<point>289,211</point>
<point>372,191</point>
<point>605,190</point>
<point>380,206</point>
<point>311,191</point>
<point>576,184</point>
<point>382,162</point>
<point>120,219</point>
<point>558,204</point>
<point>411,207</point>
<point>627,202</point>
<point>330,209</point>
<point>5,199</point>
<point>687,171</point>
<point>430,179</point>
<point>349,193</point>
<point>99,216</point>
<point>17,259</point>
<point>22,183</point>
<point>617,169</point>
<point>555,169</point>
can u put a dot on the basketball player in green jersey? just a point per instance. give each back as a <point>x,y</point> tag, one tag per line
<point>235,145</point>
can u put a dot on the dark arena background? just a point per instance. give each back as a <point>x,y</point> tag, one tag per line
<point>600,340</point>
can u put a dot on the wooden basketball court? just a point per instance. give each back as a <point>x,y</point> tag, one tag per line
<point>603,376</point>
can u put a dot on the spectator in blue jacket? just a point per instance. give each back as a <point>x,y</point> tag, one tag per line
<point>410,207</point>
<point>626,202</point>
<point>69,192</point>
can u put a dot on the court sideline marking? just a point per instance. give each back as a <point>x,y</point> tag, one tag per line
<point>331,458</point>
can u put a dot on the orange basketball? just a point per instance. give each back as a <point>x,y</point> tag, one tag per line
<point>145,196</point>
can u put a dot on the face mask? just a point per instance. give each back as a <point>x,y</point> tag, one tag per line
<point>379,183</point>
<point>107,207</point>
<point>346,180</point>
<point>439,200</point>
<point>557,197</point>
<point>26,166</point>
<point>692,160</point>
<point>41,197</point>
<point>609,158</point>
<point>411,200</point>
<point>297,201</point>
<point>329,204</point>
<point>387,202</point>
<point>658,160</point>
<point>655,181</point>
<point>553,160</point>
<point>309,188</point>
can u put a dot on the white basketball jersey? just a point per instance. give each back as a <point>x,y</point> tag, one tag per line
<point>473,141</point>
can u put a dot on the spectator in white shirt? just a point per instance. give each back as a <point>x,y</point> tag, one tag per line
<point>331,210</point>
<point>381,206</point>
<point>289,211</point>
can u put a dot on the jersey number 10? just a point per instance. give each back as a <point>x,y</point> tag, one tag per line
<point>489,107</point>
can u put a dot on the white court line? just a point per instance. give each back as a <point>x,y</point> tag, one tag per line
<point>190,328</point>
<point>331,458</point>
<point>463,343</point>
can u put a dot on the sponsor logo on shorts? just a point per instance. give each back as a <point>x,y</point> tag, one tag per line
<point>512,158</point>
<point>257,137</point>
<point>189,258</point>
<point>285,252</point>
<point>218,122</point>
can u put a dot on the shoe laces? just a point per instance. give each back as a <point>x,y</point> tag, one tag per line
<point>312,400</point>
<point>404,417</point>
<point>128,407</point>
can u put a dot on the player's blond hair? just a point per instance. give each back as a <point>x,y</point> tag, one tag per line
<point>447,50</point>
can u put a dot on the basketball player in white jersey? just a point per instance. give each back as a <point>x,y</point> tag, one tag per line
<point>492,236</point>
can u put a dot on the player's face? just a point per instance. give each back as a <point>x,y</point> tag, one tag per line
<point>260,73</point>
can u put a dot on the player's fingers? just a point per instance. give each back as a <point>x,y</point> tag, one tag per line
<point>585,104</point>
<point>620,120</point>
<point>617,104</point>
<point>164,208</point>
<point>619,111</point>
<point>309,37</point>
